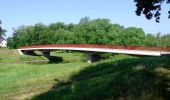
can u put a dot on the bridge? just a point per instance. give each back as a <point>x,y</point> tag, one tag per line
<point>91,50</point>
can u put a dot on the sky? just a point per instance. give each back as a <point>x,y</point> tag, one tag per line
<point>14,13</point>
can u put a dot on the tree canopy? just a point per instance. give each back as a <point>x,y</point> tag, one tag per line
<point>2,31</point>
<point>96,31</point>
<point>151,8</point>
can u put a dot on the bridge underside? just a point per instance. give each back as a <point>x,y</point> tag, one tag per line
<point>91,56</point>
<point>92,53</point>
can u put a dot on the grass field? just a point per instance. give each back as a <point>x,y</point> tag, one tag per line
<point>18,80</point>
<point>8,55</point>
<point>119,78</point>
<point>22,80</point>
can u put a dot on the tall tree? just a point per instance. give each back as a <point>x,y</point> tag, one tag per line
<point>2,31</point>
<point>150,8</point>
<point>84,20</point>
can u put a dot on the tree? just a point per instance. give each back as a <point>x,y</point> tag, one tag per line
<point>2,31</point>
<point>150,8</point>
<point>132,36</point>
<point>166,39</point>
<point>84,20</point>
<point>96,31</point>
<point>151,40</point>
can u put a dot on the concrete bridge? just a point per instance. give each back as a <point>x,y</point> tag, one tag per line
<point>91,50</point>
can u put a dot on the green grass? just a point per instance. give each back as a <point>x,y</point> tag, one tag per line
<point>12,55</point>
<point>145,78</point>
<point>121,77</point>
<point>19,78</point>
<point>70,56</point>
<point>8,55</point>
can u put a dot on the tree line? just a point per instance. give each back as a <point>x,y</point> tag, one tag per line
<point>2,31</point>
<point>96,31</point>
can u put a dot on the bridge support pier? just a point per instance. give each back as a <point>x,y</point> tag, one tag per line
<point>46,54</point>
<point>92,57</point>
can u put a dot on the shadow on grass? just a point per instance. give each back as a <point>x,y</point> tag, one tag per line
<point>144,78</point>
<point>55,59</point>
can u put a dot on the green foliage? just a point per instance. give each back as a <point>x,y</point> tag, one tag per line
<point>132,36</point>
<point>166,39</point>
<point>2,31</point>
<point>97,31</point>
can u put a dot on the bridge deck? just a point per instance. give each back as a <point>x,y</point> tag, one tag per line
<point>135,50</point>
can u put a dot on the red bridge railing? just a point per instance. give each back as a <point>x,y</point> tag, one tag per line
<point>148,48</point>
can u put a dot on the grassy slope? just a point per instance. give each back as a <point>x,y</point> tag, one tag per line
<point>20,78</point>
<point>8,55</point>
<point>12,55</point>
<point>145,78</point>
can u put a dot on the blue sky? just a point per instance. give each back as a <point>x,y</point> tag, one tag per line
<point>14,13</point>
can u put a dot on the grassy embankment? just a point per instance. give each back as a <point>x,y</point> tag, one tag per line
<point>134,78</point>
<point>12,55</point>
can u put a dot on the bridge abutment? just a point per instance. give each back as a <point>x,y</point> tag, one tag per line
<point>20,52</point>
